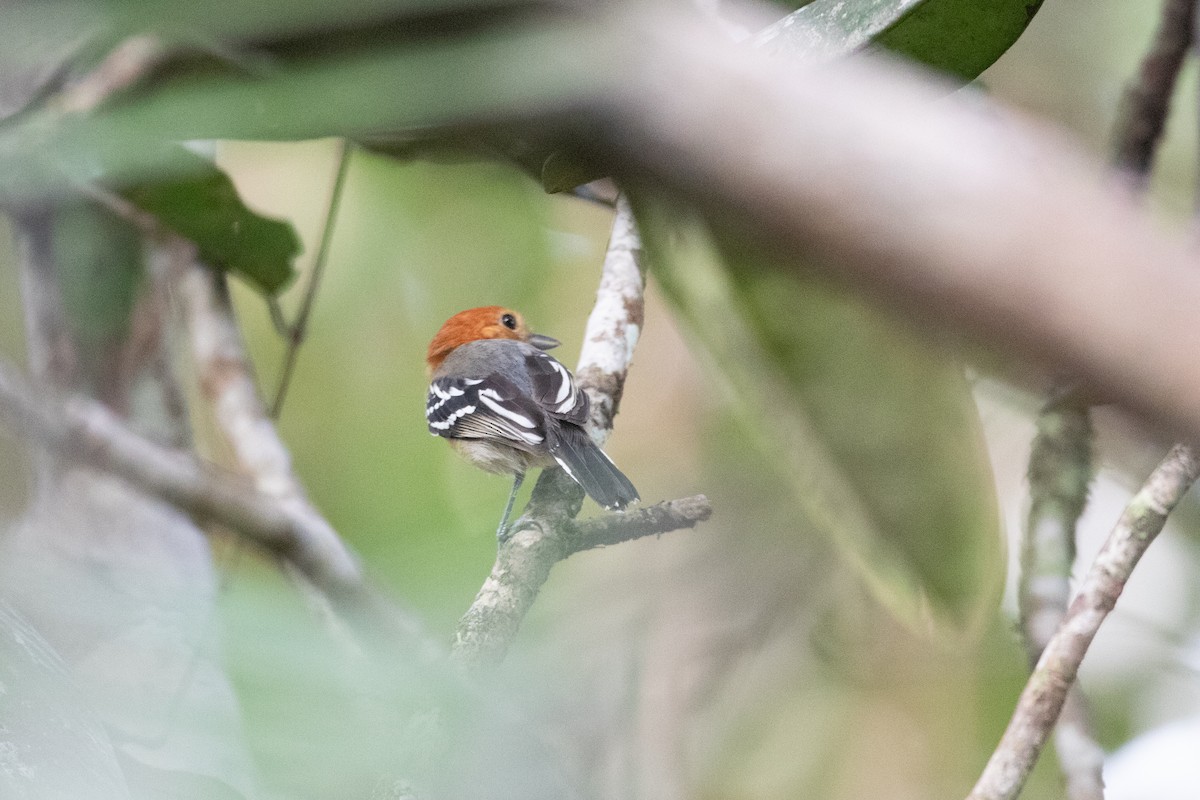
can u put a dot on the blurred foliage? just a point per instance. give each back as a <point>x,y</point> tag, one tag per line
<point>205,208</point>
<point>875,429</point>
<point>960,38</point>
<point>749,658</point>
<point>54,745</point>
<point>99,260</point>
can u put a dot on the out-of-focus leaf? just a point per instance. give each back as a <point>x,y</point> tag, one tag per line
<point>99,264</point>
<point>961,38</point>
<point>52,744</point>
<point>563,170</point>
<point>875,430</point>
<point>827,29</point>
<point>147,780</point>
<point>477,76</point>
<point>205,207</point>
<point>68,22</point>
<point>556,168</point>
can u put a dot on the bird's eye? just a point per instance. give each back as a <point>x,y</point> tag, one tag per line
<point>509,321</point>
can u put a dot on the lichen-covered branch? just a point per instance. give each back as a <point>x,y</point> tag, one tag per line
<point>615,323</point>
<point>525,559</point>
<point>610,529</point>
<point>547,532</point>
<point>1052,678</point>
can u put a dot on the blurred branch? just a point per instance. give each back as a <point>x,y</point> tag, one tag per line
<point>1060,468</point>
<point>88,432</point>
<point>1003,222</point>
<point>1048,686</point>
<point>129,62</point>
<point>277,515</point>
<point>1147,100</point>
<point>227,382</point>
<point>547,532</point>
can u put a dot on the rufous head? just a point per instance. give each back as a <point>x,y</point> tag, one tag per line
<point>486,322</point>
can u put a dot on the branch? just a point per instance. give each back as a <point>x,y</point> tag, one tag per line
<point>547,532</point>
<point>1061,459</point>
<point>88,433</point>
<point>611,529</point>
<point>1060,464</point>
<point>1060,469</point>
<point>1044,695</point>
<point>1147,101</point>
<point>227,382</point>
<point>615,323</point>
<point>524,561</point>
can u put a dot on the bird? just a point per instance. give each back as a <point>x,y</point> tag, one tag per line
<point>507,406</point>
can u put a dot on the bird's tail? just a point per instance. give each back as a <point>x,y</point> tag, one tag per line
<point>576,453</point>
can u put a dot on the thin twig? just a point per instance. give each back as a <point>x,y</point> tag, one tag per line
<point>1044,695</point>
<point>547,532</point>
<point>610,529</point>
<point>299,330</point>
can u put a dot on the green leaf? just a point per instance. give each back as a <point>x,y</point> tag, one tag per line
<point>204,206</point>
<point>961,38</point>
<point>874,429</point>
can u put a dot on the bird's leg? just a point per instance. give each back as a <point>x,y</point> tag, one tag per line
<point>502,531</point>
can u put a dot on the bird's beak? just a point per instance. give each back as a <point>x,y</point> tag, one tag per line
<point>543,342</point>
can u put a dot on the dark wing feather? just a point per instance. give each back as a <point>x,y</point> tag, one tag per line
<point>554,389</point>
<point>484,408</point>
<point>591,468</point>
